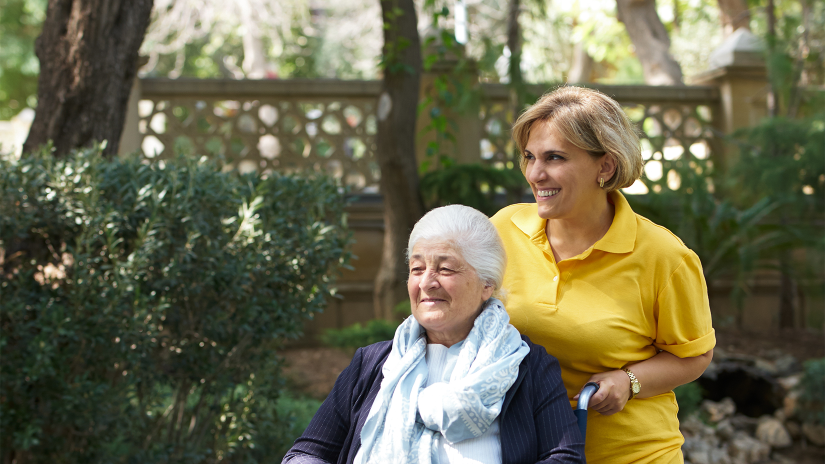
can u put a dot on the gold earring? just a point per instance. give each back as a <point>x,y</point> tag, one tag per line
<point>601,182</point>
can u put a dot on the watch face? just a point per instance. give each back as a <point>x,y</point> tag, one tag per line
<point>636,388</point>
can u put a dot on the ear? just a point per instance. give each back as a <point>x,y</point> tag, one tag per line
<point>607,167</point>
<point>487,292</point>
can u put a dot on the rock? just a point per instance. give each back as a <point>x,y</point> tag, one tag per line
<point>790,382</point>
<point>744,423</point>
<point>693,427</point>
<point>786,364</point>
<point>725,430</point>
<point>794,429</point>
<point>815,433</point>
<point>696,450</point>
<point>718,411</point>
<point>745,449</point>
<point>789,403</point>
<point>771,432</point>
<point>719,456</point>
<point>780,459</point>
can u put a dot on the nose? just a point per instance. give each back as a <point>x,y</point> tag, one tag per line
<point>429,280</point>
<point>535,172</point>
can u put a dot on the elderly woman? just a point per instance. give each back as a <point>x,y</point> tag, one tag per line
<point>457,383</point>
<point>619,300</point>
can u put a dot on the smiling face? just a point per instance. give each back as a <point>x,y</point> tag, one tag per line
<point>564,178</point>
<point>445,292</point>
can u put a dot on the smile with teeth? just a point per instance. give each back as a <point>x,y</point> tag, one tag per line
<point>548,193</point>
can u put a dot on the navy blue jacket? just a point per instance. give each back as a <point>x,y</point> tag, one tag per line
<point>536,421</point>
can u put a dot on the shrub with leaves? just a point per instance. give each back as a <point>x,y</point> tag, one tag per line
<point>143,305</point>
<point>812,392</point>
<point>474,185</point>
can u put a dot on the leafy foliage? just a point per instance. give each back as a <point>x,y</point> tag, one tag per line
<point>357,335</point>
<point>689,397</point>
<point>733,238</point>
<point>812,392</point>
<point>20,24</point>
<point>143,305</point>
<point>474,185</point>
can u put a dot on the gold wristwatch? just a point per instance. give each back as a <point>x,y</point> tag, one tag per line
<point>635,386</point>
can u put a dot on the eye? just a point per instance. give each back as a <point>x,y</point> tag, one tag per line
<point>445,270</point>
<point>528,156</point>
<point>415,270</point>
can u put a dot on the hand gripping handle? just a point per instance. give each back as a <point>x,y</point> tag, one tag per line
<point>581,407</point>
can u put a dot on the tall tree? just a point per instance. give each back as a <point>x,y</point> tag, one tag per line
<point>397,107</point>
<point>651,40</point>
<point>88,54</point>
<point>734,14</point>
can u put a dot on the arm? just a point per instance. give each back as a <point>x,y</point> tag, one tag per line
<point>559,439</point>
<point>659,374</point>
<point>683,331</point>
<point>324,437</point>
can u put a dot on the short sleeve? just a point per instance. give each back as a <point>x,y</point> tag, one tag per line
<point>683,320</point>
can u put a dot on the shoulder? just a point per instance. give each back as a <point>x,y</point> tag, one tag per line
<point>658,240</point>
<point>504,215</point>
<point>373,355</point>
<point>538,355</point>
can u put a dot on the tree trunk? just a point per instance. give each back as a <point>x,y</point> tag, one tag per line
<point>582,67</point>
<point>88,54</point>
<point>514,44</point>
<point>651,41</point>
<point>397,108</point>
<point>734,14</point>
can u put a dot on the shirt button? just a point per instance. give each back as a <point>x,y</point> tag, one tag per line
<point>556,279</point>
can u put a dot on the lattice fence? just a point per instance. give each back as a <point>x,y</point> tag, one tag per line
<point>278,129</point>
<point>330,126</point>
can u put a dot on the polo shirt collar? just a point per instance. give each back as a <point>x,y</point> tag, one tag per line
<point>620,238</point>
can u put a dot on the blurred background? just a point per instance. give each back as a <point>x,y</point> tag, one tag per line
<point>205,202</point>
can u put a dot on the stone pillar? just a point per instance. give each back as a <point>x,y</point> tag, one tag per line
<point>465,125</point>
<point>738,69</point>
<point>130,137</point>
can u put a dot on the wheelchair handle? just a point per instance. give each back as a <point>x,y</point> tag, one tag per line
<point>590,388</point>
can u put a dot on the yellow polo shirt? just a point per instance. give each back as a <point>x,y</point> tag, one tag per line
<point>636,291</point>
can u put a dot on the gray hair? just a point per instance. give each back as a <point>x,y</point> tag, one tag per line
<point>470,233</point>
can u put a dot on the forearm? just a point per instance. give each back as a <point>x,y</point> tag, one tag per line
<point>664,372</point>
<point>659,374</point>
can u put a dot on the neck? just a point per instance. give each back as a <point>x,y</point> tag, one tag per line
<point>571,236</point>
<point>447,340</point>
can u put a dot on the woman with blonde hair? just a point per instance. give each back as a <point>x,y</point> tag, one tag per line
<point>617,299</point>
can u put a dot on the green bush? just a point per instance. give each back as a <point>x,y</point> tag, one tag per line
<point>294,414</point>
<point>357,335</point>
<point>474,185</point>
<point>142,305</point>
<point>689,397</point>
<point>812,392</point>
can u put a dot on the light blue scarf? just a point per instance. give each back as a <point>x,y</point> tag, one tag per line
<point>406,416</point>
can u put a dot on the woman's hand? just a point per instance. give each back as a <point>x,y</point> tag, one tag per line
<point>659,374</point>
<point>613,394</point>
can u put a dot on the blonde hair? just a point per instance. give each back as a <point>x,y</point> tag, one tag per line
<point>591,121</point>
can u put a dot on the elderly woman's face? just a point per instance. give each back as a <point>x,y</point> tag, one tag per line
<point>564,178</point>
<point>445,292</point>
